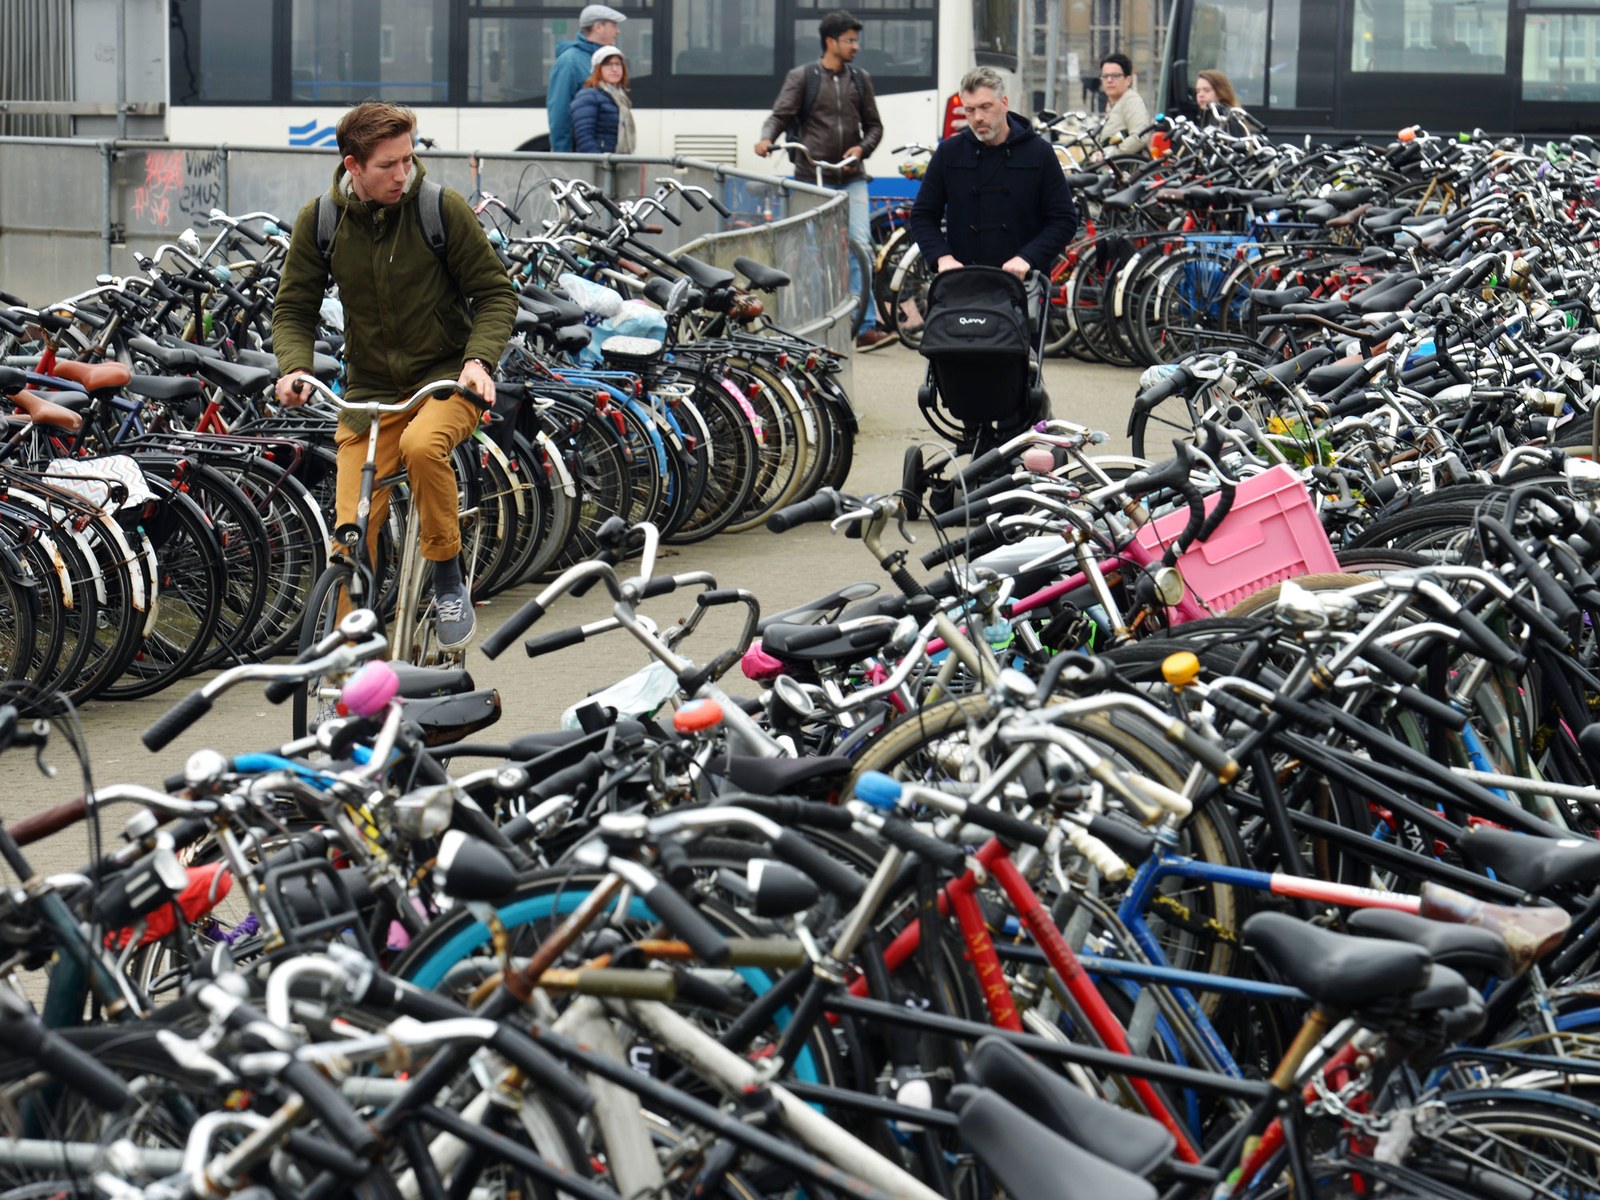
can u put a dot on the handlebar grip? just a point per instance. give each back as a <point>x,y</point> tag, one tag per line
<point>823,505</point>
<point>1207,753</point>
<point>1396,666</point>
<point>659,585</point>
<point>688,923</point>
<point>494,645</point>
<point>624,983</point>
<point>76,1068</point>
<point>175,720</point>
<point>1005,826</point>
<point>1132,844</point>
<point>826,871</point>
<point>610,205</point>
<point>1101,856</point>
<point>1485,642</point>
<point>322,1096</point>
<point>791,810</point>
<point>1551,592</point>
<point>1352,406</point>
<point>1149,479</point>
<point>1483,270</point>
<point>54,819</point>
<point>280,690</point>
<point>722,209</point>
<point>901,833</point>
<point>1424,705</point>
<point>964,514</point>
<point>669,215</point>
<point>980,466</point>
<point>773,953</point>
<point>980,540</point>
<point>546,643</point>
<point>1180,378</point>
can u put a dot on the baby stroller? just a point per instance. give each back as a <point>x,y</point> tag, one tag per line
<point>984,342</point>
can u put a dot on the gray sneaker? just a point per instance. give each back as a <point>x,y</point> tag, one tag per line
<point>454,621</point>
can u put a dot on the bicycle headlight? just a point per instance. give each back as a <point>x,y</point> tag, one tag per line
<point>424,813</point>
<point>1168,584</point>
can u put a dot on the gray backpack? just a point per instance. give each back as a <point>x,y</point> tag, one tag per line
<point>430,215</point>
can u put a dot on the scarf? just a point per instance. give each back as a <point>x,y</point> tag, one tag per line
<point>626,139</point>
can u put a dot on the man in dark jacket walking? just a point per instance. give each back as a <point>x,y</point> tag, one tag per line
<point>996,186</point>
<point>832,103</point>
<point>410,319</point>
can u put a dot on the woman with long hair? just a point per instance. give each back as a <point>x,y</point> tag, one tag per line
<point>1219,104</point>
<point>602,114</point>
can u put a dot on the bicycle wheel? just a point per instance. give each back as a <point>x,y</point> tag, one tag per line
<point>731,471</point>
<point>1196,921</point>
<point>18,603</point>
<point>189,607</point>
<point>331,597</point>
<point>782,446</point>
<point>911,301</point>
<point>1549,1142</point>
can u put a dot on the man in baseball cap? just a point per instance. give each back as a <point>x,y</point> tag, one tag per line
<point>597,27</point>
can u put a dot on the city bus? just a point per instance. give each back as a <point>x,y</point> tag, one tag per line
<point>704,73</point>
<point>1373,66</point>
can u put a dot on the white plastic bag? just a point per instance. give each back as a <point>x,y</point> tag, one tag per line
<point>597,299</point>
<point>639,695</point>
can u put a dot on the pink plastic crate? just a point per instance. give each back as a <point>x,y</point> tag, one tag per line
<point>1271,533</point>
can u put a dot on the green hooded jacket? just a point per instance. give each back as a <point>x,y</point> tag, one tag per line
<point>407,321</point>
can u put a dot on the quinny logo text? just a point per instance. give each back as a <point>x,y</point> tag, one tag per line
<point>972,321</point>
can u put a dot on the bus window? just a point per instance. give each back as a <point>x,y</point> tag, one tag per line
<point>723,37</point>
<point>1430,37</point>
<point>895,51</point>
<point>1231,36</point>
<point>1561,57</point>
<point>994,33</point>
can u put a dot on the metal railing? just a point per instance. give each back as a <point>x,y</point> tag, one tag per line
<point>76,208</point>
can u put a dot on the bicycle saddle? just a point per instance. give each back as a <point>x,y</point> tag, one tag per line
<point>1274,299</point>
<point>704,274</point>
<point>824,642</point>
<point>1345,201</point>
<point>768,279</point>
<point>816,610</point>
<point>814,776</point>
<point>446,719</point>
<point>1126,1139</point>
<point>94,377</point>
<point>1533,864</point>
<point>165,387</point>
<point>1326,378</point>
<point>1475,952</point>
<point>1030,1159</point>
<point>1335,969</point>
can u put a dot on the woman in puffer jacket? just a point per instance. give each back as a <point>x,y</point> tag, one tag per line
<point>602,114</point>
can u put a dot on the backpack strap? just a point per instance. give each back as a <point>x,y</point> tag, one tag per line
<point>808,95</point>
<point>327,222</point>
<point>430,215</point>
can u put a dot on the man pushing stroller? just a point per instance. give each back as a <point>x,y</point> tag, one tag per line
<point>993,212</point>
<point>997,188</point>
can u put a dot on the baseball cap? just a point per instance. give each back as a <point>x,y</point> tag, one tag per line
<point>598,12</point>
<point>605,52</point>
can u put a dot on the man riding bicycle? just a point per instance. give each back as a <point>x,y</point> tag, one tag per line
<point>412,314</point>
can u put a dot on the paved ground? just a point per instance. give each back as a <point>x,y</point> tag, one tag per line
<point>782,570</point>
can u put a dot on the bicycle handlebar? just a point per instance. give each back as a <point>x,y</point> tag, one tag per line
<point>439,388</point>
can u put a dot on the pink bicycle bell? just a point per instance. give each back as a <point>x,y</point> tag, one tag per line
<point>758,665</point>
<point>1039,460</point>
<point>369,690</point>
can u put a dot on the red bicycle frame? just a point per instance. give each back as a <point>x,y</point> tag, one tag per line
<point>960,897</point>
